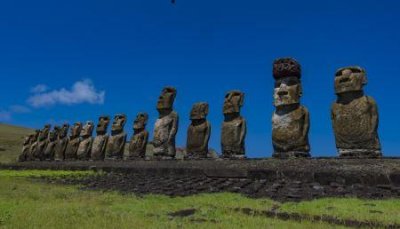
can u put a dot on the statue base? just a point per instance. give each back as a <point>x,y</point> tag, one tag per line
<point>359,153</point>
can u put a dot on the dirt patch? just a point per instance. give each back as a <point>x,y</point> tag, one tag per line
<point>183,213</point>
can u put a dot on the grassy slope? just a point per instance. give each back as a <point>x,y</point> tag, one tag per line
<point>27,204</point>
<point>11,138</point>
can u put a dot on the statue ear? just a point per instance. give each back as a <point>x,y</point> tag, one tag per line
<point>364,80</point>
<point>300,90</point>
<point>241,99</point>
<point>206,108</point>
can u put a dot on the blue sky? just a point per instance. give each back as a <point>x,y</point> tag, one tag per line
<point>107,57</point>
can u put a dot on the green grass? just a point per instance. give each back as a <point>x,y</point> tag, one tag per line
<point>11,139</point>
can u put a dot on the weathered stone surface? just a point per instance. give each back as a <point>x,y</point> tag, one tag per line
<point>34,145</point>
<point>234,126</point>
<point>139,139</point>
<point>51,144</point>
<point>100,141</point>
<point>85,144</point>
<point>290,121</point>
<point>116,142</point>
<point>199,132</point>
<point>42,143</point>
<point>62,142</point>
<point>166,126</point>
<point>354,115</point>
<point>73,142</point>
<point>26,147</point>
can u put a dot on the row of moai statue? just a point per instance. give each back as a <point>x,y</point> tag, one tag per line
<point>354,118</point>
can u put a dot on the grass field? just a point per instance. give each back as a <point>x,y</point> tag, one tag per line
<point>26,202</point>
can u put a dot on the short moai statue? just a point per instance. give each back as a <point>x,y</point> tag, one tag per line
<point>62,142</point>
<point>199,132</point>
<point>34,145</point>
<point>49,152</point>
<point>166,126</point>
<point>73,142</point>
<point>290,121</point>
<point>26,147</point>
<point>355,116</point>
<point>116,142</point>
<point>234,126</point>
<point>100,141</point>
<point>42,143</point>
<point>85,144</point>
<point>139,139</point>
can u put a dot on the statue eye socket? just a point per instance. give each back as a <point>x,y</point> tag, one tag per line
<point>339,73</point>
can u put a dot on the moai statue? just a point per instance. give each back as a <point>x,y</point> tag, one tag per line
<point>51,144</point>
<point>355,116</point>
<point>166,126</point>
<point>139,139</point>
<point>62,142</point>
<point>42,143</point>
<point>234,126</point>
<point>34,145</point>
<point>73,142</point>
<point>290,121</point>
<point>100,141</point>
<point>116,142</point>
<point>26,147</point>
<point>199,132</point>
<point>85,145</point>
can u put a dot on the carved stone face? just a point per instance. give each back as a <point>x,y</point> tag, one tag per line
<point>166,99</point>
<point>54,133</point>
<point>350,79</point>
<point>118,123</point>
<point>199,111</point>
<point>76,129</point>
<point>87,129</point>
<point>287,91</point>
<point>64,130</point>
<point>140,121</point>
<point>233,102</point>
<point>44,132</point>
<point>103,124</point>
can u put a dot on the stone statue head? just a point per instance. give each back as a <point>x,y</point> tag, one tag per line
<point>287,89</point>
<point>64,130</point>
<point>166,99</point>
<point>140,121</point>
<point>118,123</point>
<point>233,102</point>
<point>87,129</point>
<point>350,79</point>
<point>44,133</point>
<point>54,133</point>
<point>28,139</point>
<point>199,111</point>
<point>102,125</point>
<point>76,129</point>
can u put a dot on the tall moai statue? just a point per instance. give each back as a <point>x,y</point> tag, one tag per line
<point>26,147</point>
<point>234,126</point>
<point>62,142</point>
<point>166,126</point>
<point>355,116</point>
<point>73,142</point>
<point>116,142</point>
<point>42,142</point>
<point>199,132</point>
<point>100,141</point>
<point>290,121</point>
<point>85,145</point>
<point>51,144</point>
<point>139,139</point>
<point>34,145</point>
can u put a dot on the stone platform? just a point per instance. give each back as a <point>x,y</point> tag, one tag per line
<point>278,179</point>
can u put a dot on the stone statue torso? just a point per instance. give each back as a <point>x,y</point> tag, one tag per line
<point>162,133</point>
<point>231,134</point>
<point>98,147</point>
<point>353,122</point>
<point>288,131</point>
<point>196,136</point>
<point>72,148</point>
<point>137,145</point>
<point>115,146</point>
<point>85,145</point>
<point>61,145</point>
<point>49,151</point>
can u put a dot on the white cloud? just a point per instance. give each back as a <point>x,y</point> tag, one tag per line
<point>40,88</point>
<point>81,92</point>
<point>5,116</point>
